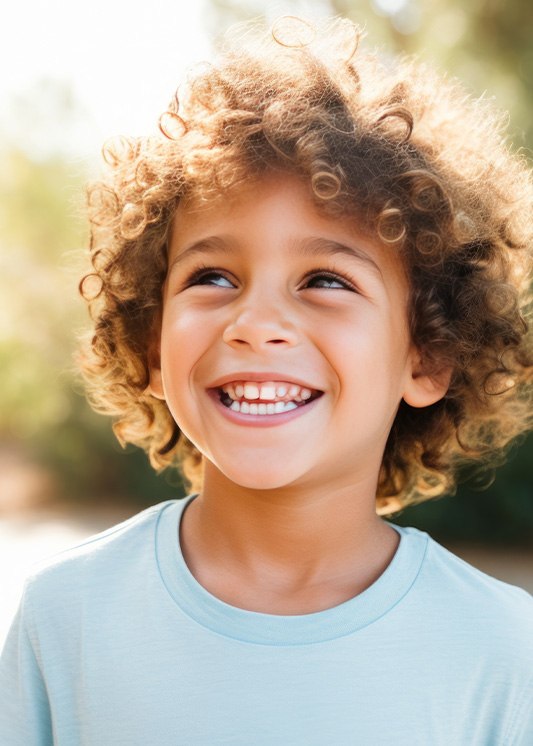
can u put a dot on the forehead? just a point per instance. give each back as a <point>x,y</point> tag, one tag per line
<point>275,210</point>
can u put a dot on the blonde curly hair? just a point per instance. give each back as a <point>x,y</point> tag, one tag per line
<point>426,170</point>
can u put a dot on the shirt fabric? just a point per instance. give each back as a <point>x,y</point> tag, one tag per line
<point>115,642</point>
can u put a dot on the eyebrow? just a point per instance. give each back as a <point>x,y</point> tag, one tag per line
<point>330,247</point>
<point>308,247</point>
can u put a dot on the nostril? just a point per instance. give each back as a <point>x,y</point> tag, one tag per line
<point>258,333</point>
<point>268,341</point>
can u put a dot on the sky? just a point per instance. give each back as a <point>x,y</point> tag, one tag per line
<point>117,61</point>
<point>120,60</point>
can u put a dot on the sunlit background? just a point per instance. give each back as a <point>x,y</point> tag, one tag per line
<point>76,73</point>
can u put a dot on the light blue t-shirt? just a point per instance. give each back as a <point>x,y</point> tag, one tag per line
<point>116,643</point>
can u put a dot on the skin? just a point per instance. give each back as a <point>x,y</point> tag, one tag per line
<point>286,521</point>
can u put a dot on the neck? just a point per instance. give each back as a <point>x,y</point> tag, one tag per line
<point>298,547</point>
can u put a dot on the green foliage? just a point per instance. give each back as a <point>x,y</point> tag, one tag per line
<point>38,230</point>
<point>42,409</point>
<point>485,43</point>
<point>92,466</point>
<point>499,514</point>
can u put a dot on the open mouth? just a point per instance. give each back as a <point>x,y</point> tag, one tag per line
<point>265,397</point>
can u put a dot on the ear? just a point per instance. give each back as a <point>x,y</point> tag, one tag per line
<point>155,386</point>
<point>425,388</point>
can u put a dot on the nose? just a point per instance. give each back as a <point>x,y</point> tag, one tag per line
<point>260,325</point>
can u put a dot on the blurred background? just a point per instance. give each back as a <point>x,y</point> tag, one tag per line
<point>74,74</point>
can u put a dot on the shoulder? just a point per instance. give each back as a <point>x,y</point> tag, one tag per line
<point>102,560</point>
<point>463,579</point>
<point>470,604</point>
<point>469,582</point>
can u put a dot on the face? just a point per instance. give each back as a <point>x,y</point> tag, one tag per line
<point>284,349</point>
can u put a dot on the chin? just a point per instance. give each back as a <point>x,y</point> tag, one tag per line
<point>258,478</point>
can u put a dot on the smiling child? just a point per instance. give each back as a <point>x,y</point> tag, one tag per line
<point>310,293</point>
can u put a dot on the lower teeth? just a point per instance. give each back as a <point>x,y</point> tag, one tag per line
<point>253,408</point>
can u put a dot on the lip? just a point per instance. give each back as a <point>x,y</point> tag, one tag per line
<point>259,377</point>
<point>260,420</point>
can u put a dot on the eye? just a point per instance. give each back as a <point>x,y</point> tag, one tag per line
<point>328,281</point>
<point>209,276</point>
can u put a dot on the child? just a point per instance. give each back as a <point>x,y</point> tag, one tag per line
<point>311,293</point>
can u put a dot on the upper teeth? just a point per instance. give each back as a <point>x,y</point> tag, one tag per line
<point>266,391</point>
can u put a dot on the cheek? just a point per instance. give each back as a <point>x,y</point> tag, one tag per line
<point>368,355</point>
<point>181,345</point>
<point>182,328</point>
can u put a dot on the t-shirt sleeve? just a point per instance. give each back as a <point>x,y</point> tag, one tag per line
<point>24,709</point>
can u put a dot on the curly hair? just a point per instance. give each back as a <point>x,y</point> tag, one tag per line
<point>424,168</point>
